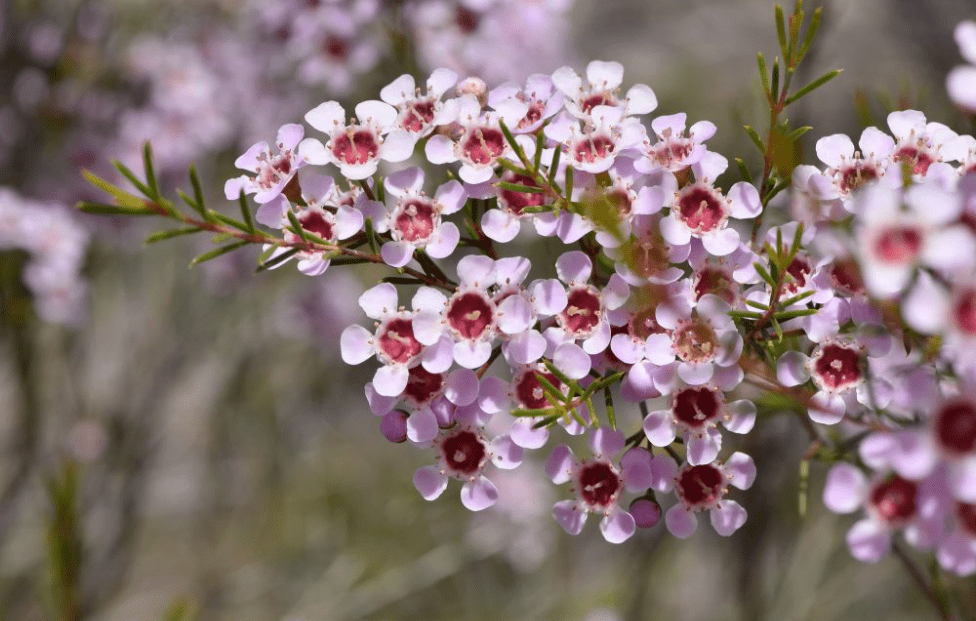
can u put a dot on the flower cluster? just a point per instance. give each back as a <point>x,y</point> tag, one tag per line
<point>56,244</point>
<point>678,301</point>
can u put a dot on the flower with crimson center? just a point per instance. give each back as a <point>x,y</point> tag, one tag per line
<point>704,487</point>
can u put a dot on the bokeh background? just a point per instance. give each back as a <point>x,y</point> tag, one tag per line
<point>186,444</point>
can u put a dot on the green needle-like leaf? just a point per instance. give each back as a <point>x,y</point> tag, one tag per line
<point>827,77</point>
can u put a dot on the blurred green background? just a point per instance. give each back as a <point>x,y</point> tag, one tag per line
<point>194,447</point>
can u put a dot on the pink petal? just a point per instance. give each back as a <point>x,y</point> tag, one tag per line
<point>695,373</point>
<point>428,327</point>
<point>461,386</point>
<point>478,494</point>
<point>451,196</point>
<point>397,253</point>
<point>505,453</point>
<point>439,357</point>
<point>635,468</point>
<point>741,470</point>
<point>476,270</point>
<point>500,226</point>
<point>399,90</point>
<point>561,464</point>
<point>835,149</point>
<point>548,296</point>
<point>355,344</point>
<point>270,214</point>
<point>681,522</point>
<point>568,515</point>
<point>605,74</point>
<point>703,449</point>
<point>515,315</point>
<point>617,526</point>
<point>390,380</point>
<point>658,350</point>
<point>422,426</point>
<point>845,488</point>
<point>526,348</point>
<point>605,442</point>
<point>640,99</point>
<point>429,482</point>
<point>440,150</point>
<point>721,243</point>
<point>326,117</point>
<point>493,395</point>
<point>572,360</point>
<point>574,267</point>
<point>827,409</point>
<point>728,517</point>
<point>868,541</point>
<point>791,369</point>
<point>663,472</point>
<point>379,301</point>
<point>444,241</point>
<point>406,180</point>
<point>378,404</point>
<point>659,428</point>
<point>525,435</point>
<point>742,416</point>
<point>397,146</point>
<point>626,348</point>
<point>471,355</point>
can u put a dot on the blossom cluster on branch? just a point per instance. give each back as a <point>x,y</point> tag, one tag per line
<point>846,289</point>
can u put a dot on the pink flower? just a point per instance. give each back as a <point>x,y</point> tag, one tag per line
<point>700,210</point>
<point>394,342</point>
<point>481,141</point>
<point>324,215</point>
<point>415,221</point>
<point>601,88</point>
<point>695,412</point>
<point>599,482</point>
<point>470,319</point>
<point>358,146</point>
<point>891,503</point>
<point>542,99</point>
<point>271,172</point>
<point>464,453</point>
<point>902,230</point>
<point>584,319</point>
<point>420,113</point>
<point>674,151</point>
<point>703,488</point>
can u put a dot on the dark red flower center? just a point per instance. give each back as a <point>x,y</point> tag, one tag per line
<point>470,314</point>
<point>582,313</point>
<point>418,115</point>
<point>965,310</point>
<point>514,201</point>
<point>717,281</point>
<point>857,174</point>
<point>466,19</point>
<point>598,484</point>
<point>837,367</point>
<point>397,342</point>
<point>336,47</point>
<point>696,407</point>
<point>643,323</point>
<point>799,268</point>
<point>534,114</point>
<point>355,147</point>
<point>599,99</point>
<point>423,386</point>
<point>314,221</point>
<point>918,159</point>
<point>955,427</point>
<point>483,145</point>
<point>846,276</point>
<point>898,244</point>
<point>700,486</point>
<point>967,517</point>
<point>464,452</point>
<point>415,220</point>
<point>701,209</point>
<point>669,152</point>
<point>593,148</point>
<point>894,499</point>
<point>695,342</point>
<point>529,391</point>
